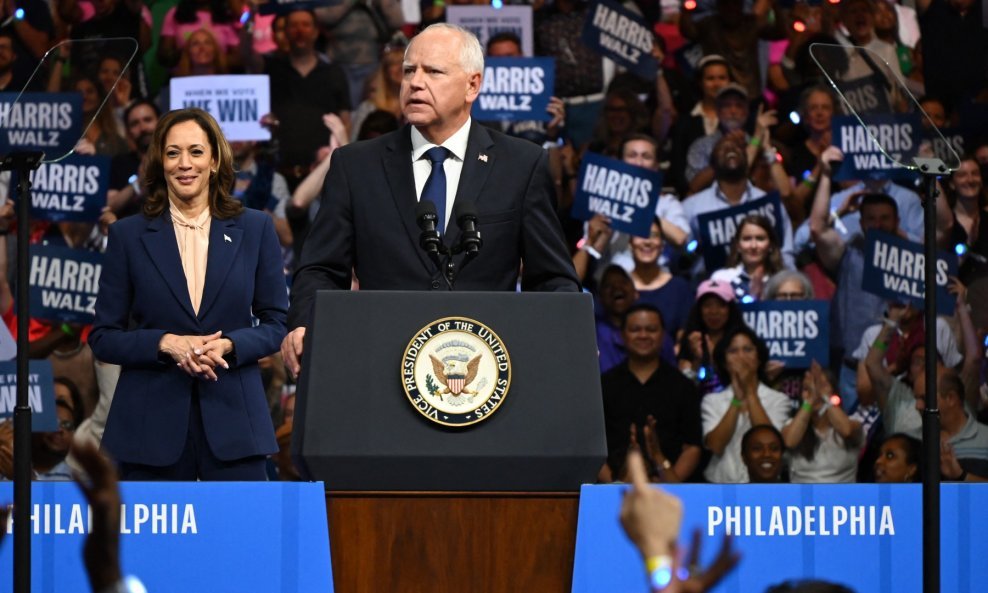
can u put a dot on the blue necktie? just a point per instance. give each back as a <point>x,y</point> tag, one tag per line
<point>435,186</point>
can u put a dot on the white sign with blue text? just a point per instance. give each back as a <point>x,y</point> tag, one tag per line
<point>237,101</point>
<point>485,21</point>
<point>624,193</point>
<point>515,89</point>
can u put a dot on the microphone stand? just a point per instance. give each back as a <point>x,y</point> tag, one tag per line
<point>23,163</point>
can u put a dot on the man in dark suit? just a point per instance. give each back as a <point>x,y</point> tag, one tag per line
<point>367,221</point>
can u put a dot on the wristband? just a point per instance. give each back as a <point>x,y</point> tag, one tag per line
<point>823,409</point>
<point>806,406</point>
<point>962,477</point>
<point>67,330</point>
<point>736,402</point>
<point>890,323</point>
<point>755,141</point>
<point>809,182</point>
<point>659,570</point>
<point>591,251</point>
<point>880,345</point>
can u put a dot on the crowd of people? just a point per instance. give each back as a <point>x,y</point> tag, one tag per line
<point>738,110</point>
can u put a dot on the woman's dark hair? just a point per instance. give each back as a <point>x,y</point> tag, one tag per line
<point>750,433</point>
<point>219,10</point>
<point>377,123</point>
<point>914,451</point>
<point>75,395</point>
<point>720,352</point>
<point>694,322</point>
<point>221,203</point>
<point>773,258</point>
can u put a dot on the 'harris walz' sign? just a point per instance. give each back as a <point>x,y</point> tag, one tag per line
<point>717,228</point>
<point>40,393</point>
<point>515,89</point>
<point>71,190</point>
<point>48,122</point>
<point>895,270</point>
<point>64,283</point>
<point>794,331</point>
<point>899,135</point>
<point>624,193</point>
<point>617,33</point>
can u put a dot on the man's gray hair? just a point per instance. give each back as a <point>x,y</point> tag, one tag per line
<point>471,54</point>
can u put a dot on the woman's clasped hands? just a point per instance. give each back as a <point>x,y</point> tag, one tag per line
<point>199,356</point>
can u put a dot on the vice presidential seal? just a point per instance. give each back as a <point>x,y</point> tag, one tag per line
<point>456,371</point>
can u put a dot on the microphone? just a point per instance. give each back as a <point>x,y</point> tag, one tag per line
<point>466,216</point>
<point>429,240</point>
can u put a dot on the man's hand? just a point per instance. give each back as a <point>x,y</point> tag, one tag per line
<point>291,350</point>
<point>650,517</point>
<point>828,157</point>
<point>101,552</point>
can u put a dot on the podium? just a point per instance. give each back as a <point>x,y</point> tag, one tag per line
<point>492,489</point>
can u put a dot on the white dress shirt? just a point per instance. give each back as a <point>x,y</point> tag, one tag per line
<point>422,168</point>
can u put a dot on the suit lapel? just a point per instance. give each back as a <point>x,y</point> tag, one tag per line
<point>225,237</point>
<point>397,162</point>
<point>478,162</point>
<point>162,247</point>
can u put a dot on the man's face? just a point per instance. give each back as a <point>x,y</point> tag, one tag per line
<point>300,29</point>
<point>879,217</point>
<point>642,335</point>
<point>732,111</point>
<point>859,18</point>
<point>729,160</point>
<point>436,92</point>
<point>141,122</point>
<point>6,54</point>
<point>617,293</point>
<point>763,456</point>
<point>640,153</point>
<point>504,49</point>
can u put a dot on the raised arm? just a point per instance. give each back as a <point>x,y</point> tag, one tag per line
<point>829,244</point>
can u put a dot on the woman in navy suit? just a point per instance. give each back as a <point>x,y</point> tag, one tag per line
<point>191,295</point>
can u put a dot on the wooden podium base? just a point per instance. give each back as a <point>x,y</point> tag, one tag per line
<point>437,542</point>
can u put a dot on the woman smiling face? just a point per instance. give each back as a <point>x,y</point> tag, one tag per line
<point>647,250</point>
<point>753,245</point>
<point>188,162</point>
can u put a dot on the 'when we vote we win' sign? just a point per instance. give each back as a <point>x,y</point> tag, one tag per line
<point>236,101</point>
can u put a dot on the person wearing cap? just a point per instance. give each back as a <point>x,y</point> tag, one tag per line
<point>714,314</point>
<point>731,187</point>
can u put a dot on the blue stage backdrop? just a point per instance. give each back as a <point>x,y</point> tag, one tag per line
<point>216,537</point>
<point>865,536</point>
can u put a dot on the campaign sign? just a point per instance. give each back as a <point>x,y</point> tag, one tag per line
<point>49,122</point>
<point>794,331</point>
<point>624,193</point>
<point>515,89</point>
<point>621,35</point>
<point>64,283</point>
<point>237,101</point>
<point>71,190</point>
<point>485,21</point>
<point>866,95</point>
<point>40,393</point>
<point>221,537</point>
<point>717,228</point>
<point>286,6</point>
<point>867,537</point>
<point>899,135</point>
<point>953,138</point>
<point>894,269</point>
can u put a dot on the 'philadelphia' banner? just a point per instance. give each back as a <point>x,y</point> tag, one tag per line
<point>515,89</point>
<point>894,269</point>
<point>624,193</point>
<point>64,283</point>
<point>717,228</point>
<point>899,135</point>
<point>71,190</point>
<point>237,101</point>
<point>40,393</point>
<point>49,122</point>
<point>621,35</point>
<point>867,537</point>
<point>485,21</point>
<point>796,332</point>
<point>185,536</point>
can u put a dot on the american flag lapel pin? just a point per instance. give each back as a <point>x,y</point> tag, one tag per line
<point>482,157</point>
